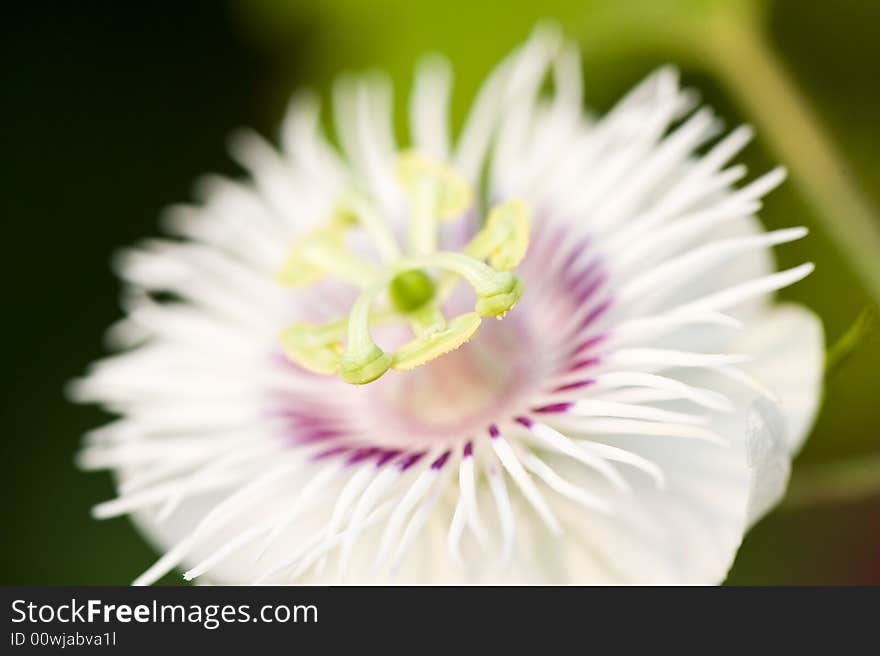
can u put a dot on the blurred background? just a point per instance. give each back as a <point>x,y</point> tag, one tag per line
<point>112,109</point>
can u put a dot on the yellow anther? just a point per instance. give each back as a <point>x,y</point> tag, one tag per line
<point>313,347</point>
<point>500,302</point>
<point>452,193</point>
<point>430,346</point>
<point>323,252</point>
<point>505,238</point>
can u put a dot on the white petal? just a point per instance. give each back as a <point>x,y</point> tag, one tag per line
<point>789,346</point>
<point>687,532</point>
<point>429,105</point>
<point>768,457</point>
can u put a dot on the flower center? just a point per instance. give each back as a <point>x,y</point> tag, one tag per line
<point>410,286</point>
<point>463,391</point>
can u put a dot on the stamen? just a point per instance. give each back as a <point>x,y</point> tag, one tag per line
<point>363,361</point>
<point>428,347</point>
<point>316,348</point>
<point>453,193</point>
<point>414,294</point>
<point>436,192</point>
<point>423,228</point>
<point>505,238</point>
<point>497,291</point>
<point>320,253</point>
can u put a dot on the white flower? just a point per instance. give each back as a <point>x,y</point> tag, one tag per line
<point>626,422</point>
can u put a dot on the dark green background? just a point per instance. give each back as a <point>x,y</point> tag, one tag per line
<point>112,109</point>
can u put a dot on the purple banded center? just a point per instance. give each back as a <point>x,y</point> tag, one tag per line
<point>536,362</point>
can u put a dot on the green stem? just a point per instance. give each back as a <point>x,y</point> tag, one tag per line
<point>744,60</point>
<point>863,327</point>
